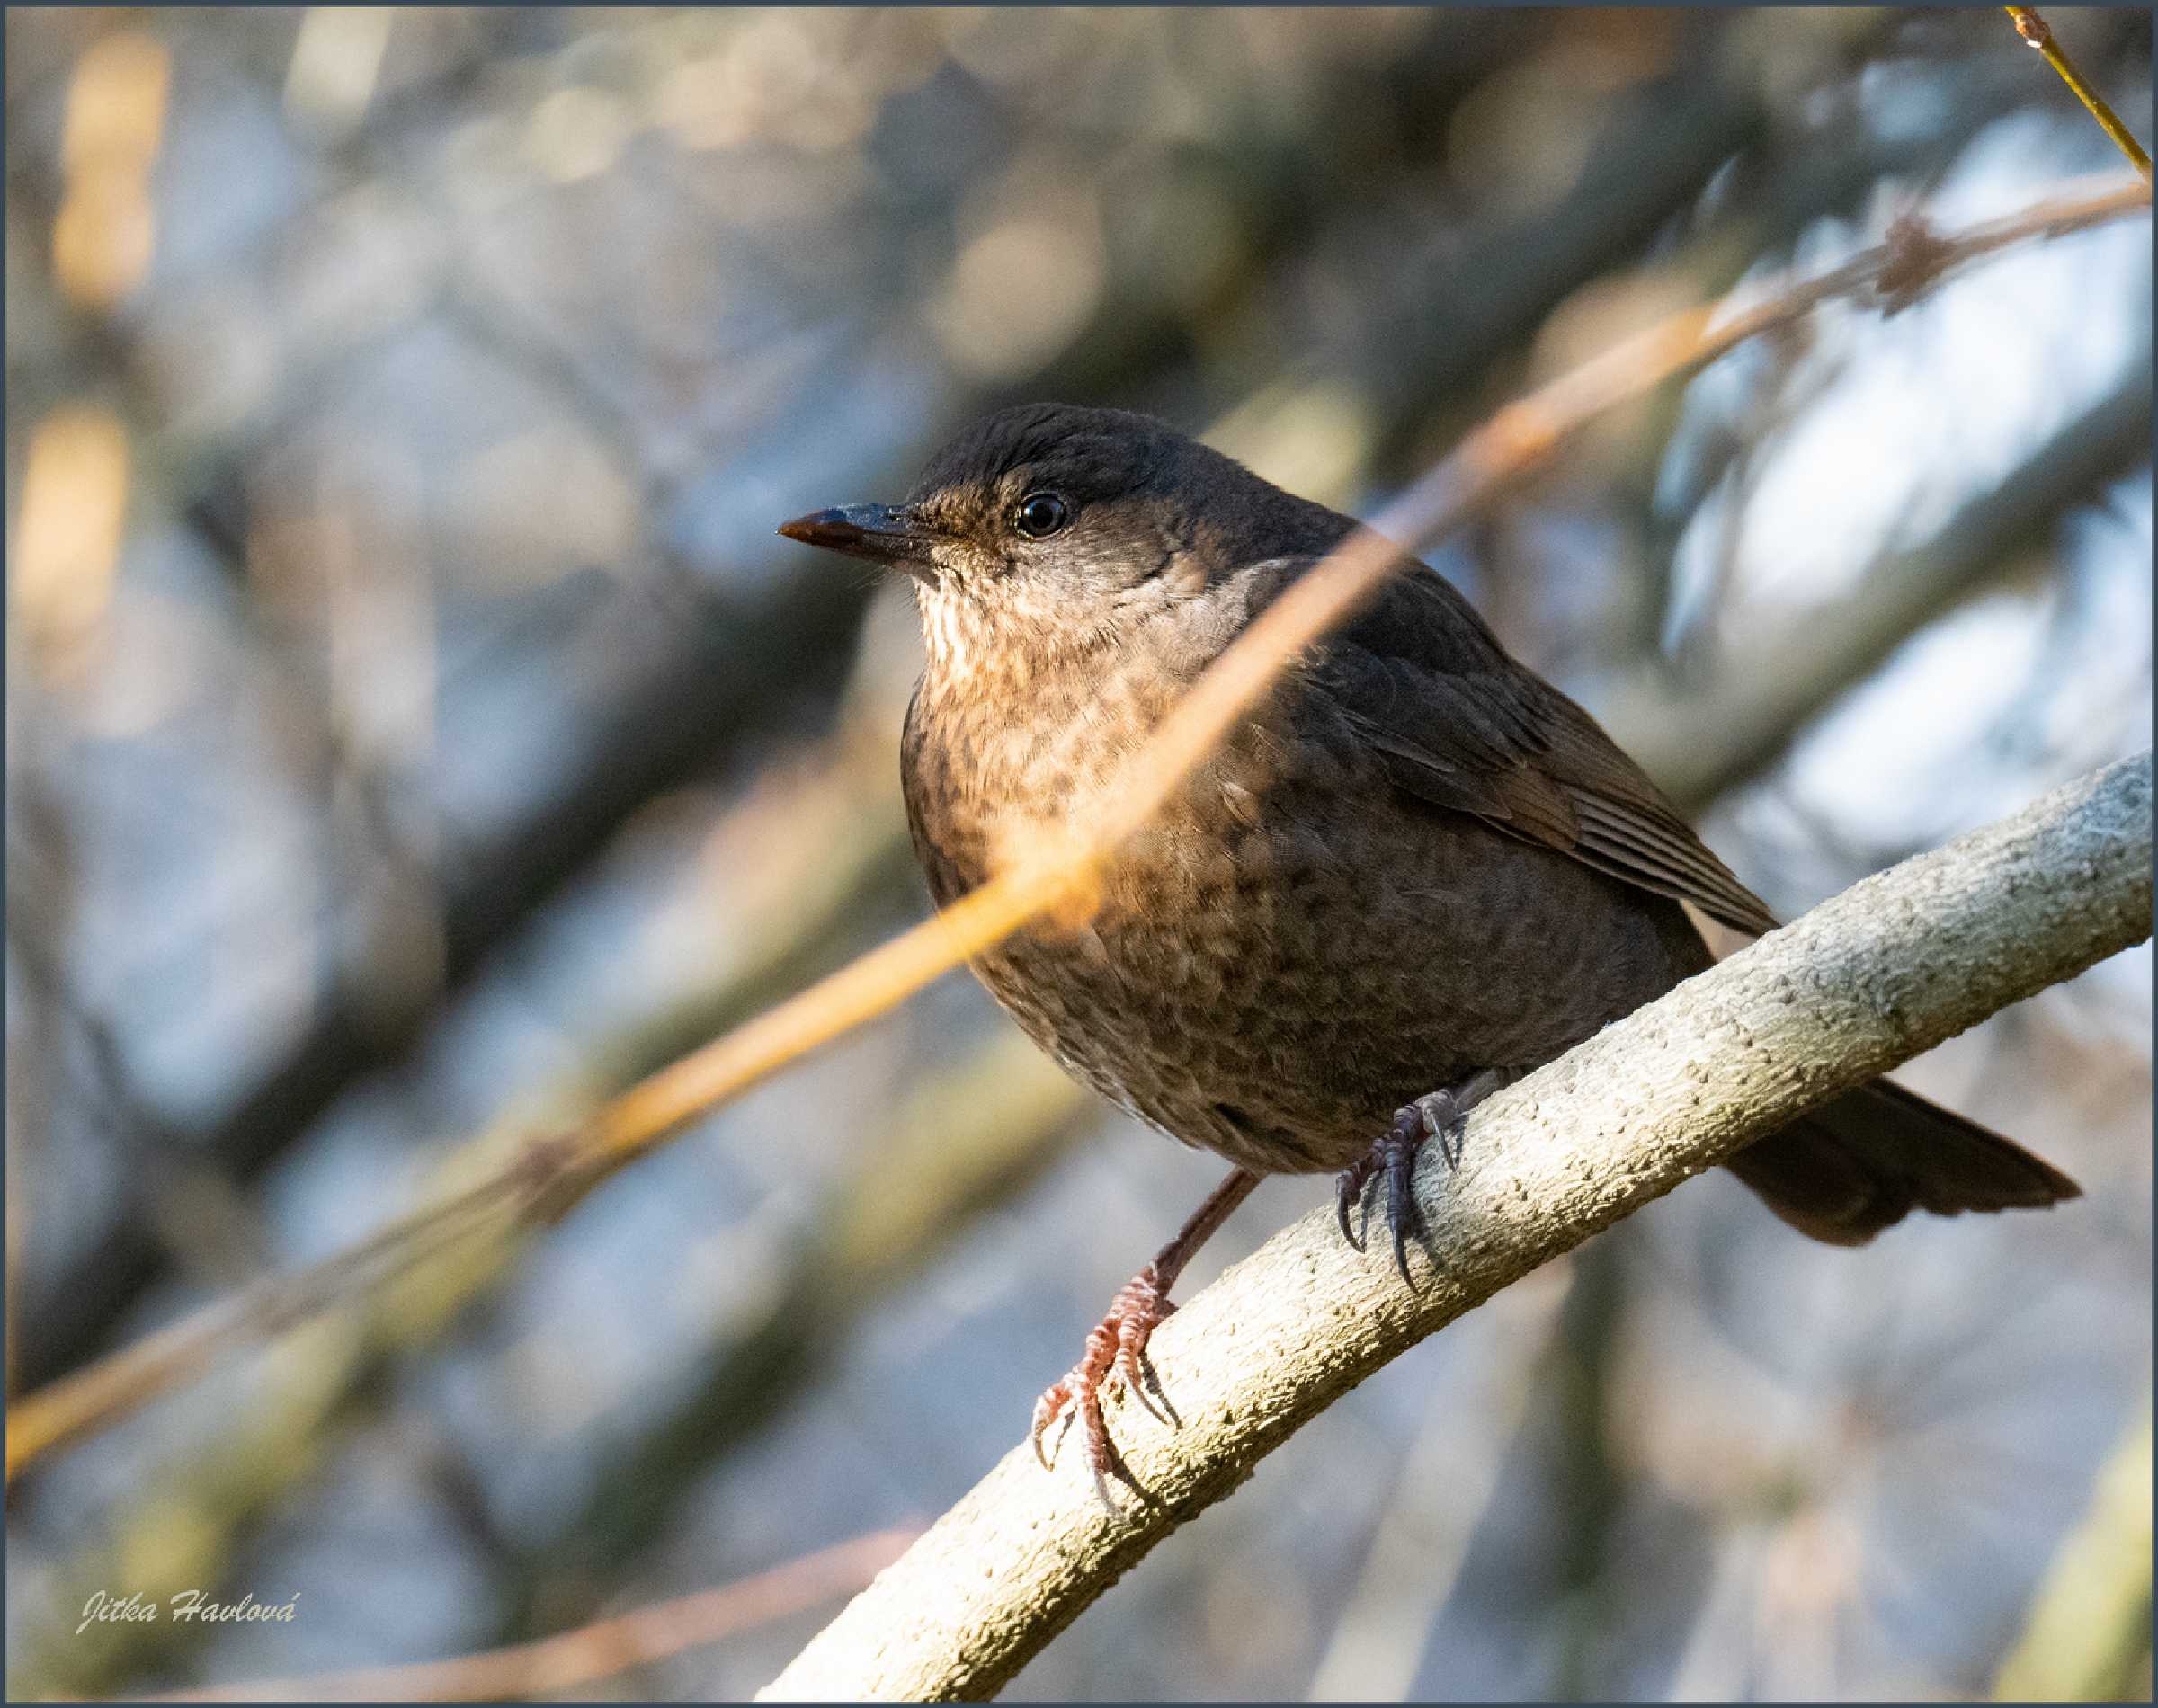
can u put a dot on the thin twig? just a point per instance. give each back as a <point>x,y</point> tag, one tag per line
<point>1488,463</point>
<point>593,1651</point>
<point>2036,30</point>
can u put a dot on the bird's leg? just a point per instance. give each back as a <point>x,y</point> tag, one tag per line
<point>1119,1342</point>
<point>1439,1115</point>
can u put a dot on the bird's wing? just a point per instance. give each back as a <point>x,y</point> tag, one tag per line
<point>1461,725</point>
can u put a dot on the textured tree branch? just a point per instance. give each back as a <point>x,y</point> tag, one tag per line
<point>1888,969</point>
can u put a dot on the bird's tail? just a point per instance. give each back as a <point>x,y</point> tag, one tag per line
<point>1844,1172</point>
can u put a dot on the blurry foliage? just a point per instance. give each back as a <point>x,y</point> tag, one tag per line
<point>2089,1638</point>
<point>414,729</point>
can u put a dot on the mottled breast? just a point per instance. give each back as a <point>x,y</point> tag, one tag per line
<point>1295,949</point>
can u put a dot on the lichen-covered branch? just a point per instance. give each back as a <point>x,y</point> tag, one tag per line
<point>1888,969</point>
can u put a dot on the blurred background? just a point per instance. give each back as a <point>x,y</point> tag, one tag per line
<point>414,731</point>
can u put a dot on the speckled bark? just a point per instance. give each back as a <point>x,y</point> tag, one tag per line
<point>1886,970</point>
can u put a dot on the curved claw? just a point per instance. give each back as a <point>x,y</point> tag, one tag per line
<point>1402,1143</point>
<point>1133,1332</point>
<point>1352,1186</point>
<point>1047,1410</point>
<point>1127,1366</point>
<point>1446,1122</point>
<point>1117,1344</point>
<point>1394,1155</point>
<point>1345,1193</point>
<point>1441,1116</point>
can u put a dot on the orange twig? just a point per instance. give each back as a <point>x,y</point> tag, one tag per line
<point>1486,465</point>
<point>597,1651</point>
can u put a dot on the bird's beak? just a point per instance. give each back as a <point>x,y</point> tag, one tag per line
<point>882,533</point>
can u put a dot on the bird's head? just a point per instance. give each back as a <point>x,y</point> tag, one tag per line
<point>1053,531</point>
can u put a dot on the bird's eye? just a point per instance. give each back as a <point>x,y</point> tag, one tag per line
<point>1042,514</point>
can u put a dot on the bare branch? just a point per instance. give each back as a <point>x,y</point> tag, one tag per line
<point>593,1651</point>
<point>1890,968</point>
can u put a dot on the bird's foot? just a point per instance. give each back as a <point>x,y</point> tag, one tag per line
<point>1117,1345</point>
<point>1439,1116</point>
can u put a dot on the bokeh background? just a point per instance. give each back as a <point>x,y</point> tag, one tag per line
<point>415,731</point>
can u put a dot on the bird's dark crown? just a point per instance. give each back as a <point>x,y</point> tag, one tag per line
<point>1100,453</point>
<point>1093,457</point>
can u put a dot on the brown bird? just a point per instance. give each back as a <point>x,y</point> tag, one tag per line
<point>1418,873</point>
